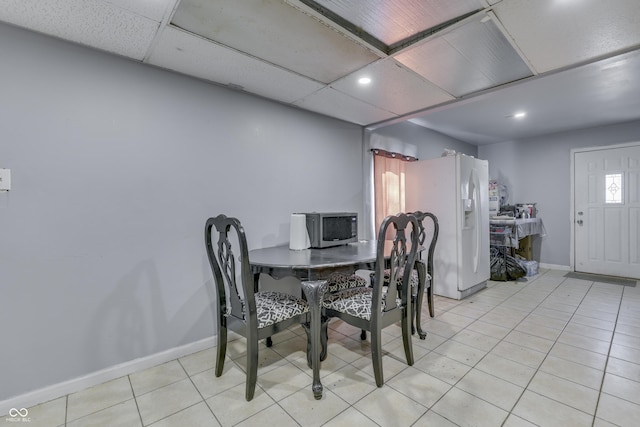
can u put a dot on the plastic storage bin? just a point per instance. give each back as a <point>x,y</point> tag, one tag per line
<point>530,266</point>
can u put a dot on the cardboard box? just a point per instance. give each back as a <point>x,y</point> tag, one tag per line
<point>524,248</point>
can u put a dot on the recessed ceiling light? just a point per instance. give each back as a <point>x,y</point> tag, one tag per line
<point>364,80</point>
<point>518,115</point>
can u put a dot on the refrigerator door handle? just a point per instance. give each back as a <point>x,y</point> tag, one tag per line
<point>476,216</point>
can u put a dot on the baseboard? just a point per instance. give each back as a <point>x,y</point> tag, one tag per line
<point>555,267</point>
<point>77,384</point>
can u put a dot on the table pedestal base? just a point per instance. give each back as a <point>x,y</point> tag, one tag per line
<point>314,291</point>
<point>324,338</point>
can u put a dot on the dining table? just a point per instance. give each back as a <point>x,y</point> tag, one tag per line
<point>312,266</point>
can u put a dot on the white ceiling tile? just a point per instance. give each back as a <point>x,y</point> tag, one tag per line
<point>152,9</point>
<point>487,48</point>
<point>554,34</point>
<point>469,58</point>
<point>189,54</point>
<point>393,88</point>
<point>275,32</point>
<point>336,104</point>
<point>391,21</point>
<point>554,102</point>
<point>89,22</point>
<point>289,38</point>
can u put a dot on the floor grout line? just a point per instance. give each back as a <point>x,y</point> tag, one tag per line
<point>583,299</point>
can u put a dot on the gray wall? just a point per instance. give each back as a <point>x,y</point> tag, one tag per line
<point>115,167</point>
<point>534,170</point>
<point>430,143</point>
<point>538,170</point>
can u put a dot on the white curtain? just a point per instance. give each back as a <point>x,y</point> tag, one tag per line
<point>383,179</point>
<point>388,183</point>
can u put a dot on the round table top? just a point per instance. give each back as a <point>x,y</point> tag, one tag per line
<point>335,256</point>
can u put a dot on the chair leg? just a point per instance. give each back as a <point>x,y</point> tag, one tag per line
<point>252,368</point>
<point>363,334</point>
<point>222,349</point>
<point>376,356</point>
<point>406,337</point>
<point>417,300</point>
<point>417,314</point>
<point>430,300</point>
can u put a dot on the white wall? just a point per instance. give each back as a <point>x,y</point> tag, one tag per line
<point>538,170</point>
<point>116,166</point>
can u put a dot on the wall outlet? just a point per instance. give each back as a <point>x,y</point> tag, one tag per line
<point>5,179</point>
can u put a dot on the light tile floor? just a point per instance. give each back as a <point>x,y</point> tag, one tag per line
<point>548,351</point>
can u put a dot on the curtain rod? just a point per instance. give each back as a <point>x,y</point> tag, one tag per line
<point>384,153</point>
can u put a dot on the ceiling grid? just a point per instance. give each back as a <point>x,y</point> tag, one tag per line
<point>438,63</point>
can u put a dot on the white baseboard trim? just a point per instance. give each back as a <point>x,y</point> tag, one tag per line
<point>77,384</point>
<point>555,267</point>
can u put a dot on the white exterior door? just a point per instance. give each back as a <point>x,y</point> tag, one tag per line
<point>607,211</point>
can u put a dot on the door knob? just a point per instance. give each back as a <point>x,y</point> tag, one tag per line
<point>580,213</point>
<point>579,222</point>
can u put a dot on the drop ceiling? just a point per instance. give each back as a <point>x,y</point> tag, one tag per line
<point>460,67</point>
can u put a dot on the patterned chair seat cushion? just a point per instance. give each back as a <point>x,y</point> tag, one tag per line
<point>413,278</point>
<point>354,301</point>
<point>273,307</point>
<point>339,282</point>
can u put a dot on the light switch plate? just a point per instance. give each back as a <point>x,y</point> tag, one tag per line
<point>5,179</point>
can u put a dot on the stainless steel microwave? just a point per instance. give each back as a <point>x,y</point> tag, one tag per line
<point>332,228</point>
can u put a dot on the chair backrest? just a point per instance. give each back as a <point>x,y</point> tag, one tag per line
<point>420,216</point>
<point>229,261</point>
<point>401,253</point>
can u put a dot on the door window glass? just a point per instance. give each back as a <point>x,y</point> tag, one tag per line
<point>613,188</point>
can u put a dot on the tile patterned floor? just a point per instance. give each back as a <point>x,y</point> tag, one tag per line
<point>550,351</point>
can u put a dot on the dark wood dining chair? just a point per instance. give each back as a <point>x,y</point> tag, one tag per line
<point>421,279</point>
<point>423,271</point>
<point>338,282</point>
<point>254,315</point>
<point>377,307</point>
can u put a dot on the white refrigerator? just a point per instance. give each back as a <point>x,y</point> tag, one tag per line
<point>456,189</point>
